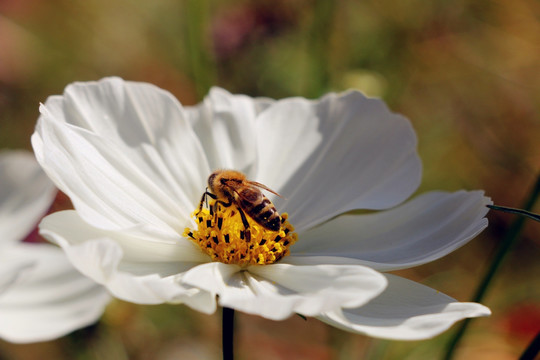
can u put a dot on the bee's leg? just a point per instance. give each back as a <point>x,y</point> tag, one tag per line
<point>203,198</point>
<point>214,209</point>
<point>247,232</point>
<point>208,193</point>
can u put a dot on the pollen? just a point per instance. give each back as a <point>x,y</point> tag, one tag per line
<point>223,237</point>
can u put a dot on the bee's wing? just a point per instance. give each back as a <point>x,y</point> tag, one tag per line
<point>262,186</point>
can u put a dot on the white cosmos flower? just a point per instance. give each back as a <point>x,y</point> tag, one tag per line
<point>135,164</point>
<point>42,296</point>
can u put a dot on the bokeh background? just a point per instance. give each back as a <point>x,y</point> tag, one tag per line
<point>467,74</point>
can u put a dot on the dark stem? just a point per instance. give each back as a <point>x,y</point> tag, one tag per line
<point>504,247</point>
<point>228,333</point>
<point>532,350</point>
<point>528,214</point>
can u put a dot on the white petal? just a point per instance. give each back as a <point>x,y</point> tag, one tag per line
<point>422,230</point>
<point>280,290</point>
<point>340,153</point>
<point>196,299</point>
<point>51,300</point>
<point>124,153</point>
<point>131,265</point>
<point>225,125</point>
<point>12,270</point>
<point>25,195</point>
<point>405,311</point>
<point>138,244</point>
<point>101,260</point>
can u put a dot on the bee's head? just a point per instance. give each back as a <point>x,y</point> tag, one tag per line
<point>212,180</point>
<point>219,181</point>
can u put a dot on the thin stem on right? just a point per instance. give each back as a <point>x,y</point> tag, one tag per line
<point>532,350</point>
<point>510,238</point>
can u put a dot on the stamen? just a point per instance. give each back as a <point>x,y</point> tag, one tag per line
<point>225,240</point>
<point>219,223</point>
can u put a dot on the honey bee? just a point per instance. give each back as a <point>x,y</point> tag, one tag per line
<point>232,187</point>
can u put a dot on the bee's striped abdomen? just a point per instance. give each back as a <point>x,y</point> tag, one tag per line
<point>260,209</point>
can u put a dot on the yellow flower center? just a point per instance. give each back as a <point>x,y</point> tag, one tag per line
<point>223,237</point>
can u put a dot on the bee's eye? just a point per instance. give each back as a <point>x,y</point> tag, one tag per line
<point>211,180</point>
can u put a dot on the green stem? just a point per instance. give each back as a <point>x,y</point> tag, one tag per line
<point>506,244</point>
<point>319,47</point>
<point>199,44</point>
<point>228,333</point>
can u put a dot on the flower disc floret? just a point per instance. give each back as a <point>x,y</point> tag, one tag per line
<point>223,237</point>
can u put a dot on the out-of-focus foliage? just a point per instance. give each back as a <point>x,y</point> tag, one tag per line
<point>467,74</point>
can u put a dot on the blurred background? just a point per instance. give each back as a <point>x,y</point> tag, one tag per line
<point>467,74</point>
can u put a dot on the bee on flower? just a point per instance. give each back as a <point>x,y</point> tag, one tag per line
<point>135,162</point>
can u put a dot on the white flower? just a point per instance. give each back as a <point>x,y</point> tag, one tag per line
<point>135,164</point>
<point>42,296</point>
